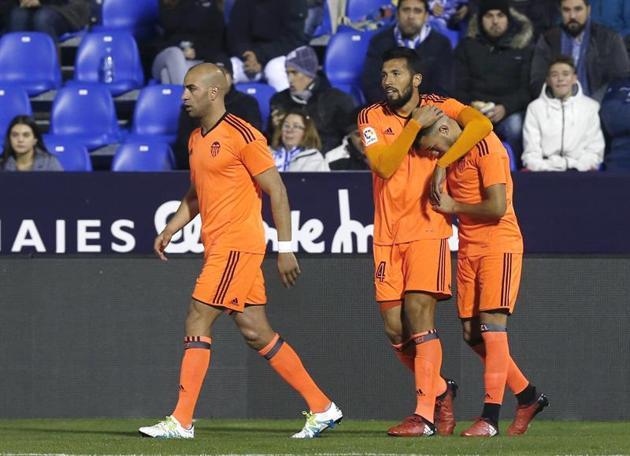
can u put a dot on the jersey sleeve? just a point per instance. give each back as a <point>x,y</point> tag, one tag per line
<point>452,108</point>
<point>492,169</point>
<point>368,123</point>
<point>256,156</point>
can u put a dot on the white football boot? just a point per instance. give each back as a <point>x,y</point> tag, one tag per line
<point>170,428</point>
<point>316,423</point>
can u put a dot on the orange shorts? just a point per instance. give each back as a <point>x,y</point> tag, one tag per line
<point>423,265</point>
<point>231,279</point>
<point>488,282</point>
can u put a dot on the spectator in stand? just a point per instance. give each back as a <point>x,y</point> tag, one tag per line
<point>450,13</point>
<point>349,155</point>
<point>599,53</point>
<point>192,33</point>
<point>296,145</point>
<point>562,127</point>
<point>492,68</point>
<point>614,14</point>
<point>412,31</point>
<point>260,33</point>
<point>238,103</point>
<point>24,148</point>
<point>543,14</point>
<point>330,108</point>
<point>5,8</point>
<point>615,115</point>
<point>54,17</point>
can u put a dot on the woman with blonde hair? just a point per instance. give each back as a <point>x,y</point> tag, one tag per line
<point>296,144</point>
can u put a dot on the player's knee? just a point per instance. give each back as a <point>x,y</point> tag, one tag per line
<point>253,338</point>
<point>395,337</point>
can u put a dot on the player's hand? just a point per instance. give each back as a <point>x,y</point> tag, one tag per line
<point>427,115</point>
<point>437,184</point>
<point>160,243</point>
<point>446,205</point>
<point>190,53</point>
<point>288,268</point>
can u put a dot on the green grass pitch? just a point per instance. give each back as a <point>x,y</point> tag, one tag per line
<point>351,437</point>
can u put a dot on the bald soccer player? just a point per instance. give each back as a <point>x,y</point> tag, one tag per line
<point>230,164</point>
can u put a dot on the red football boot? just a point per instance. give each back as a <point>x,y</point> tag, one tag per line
<point>525,414</point>
<point>444,413</point>
<point>412,426</point>
<point>481,428</point>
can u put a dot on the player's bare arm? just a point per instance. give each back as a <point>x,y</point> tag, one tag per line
<point>491,208</point>
<point>476,126</point>
<point>187,210</point>
<point>271,183</point>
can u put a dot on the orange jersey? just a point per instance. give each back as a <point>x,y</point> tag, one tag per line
<point>485,165</point>
<point>402,211</point>
<point>222,165</point>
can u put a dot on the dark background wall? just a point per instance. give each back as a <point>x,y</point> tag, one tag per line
<point>85,337</point>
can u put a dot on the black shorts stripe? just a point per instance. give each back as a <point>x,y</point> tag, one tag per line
<point>226,278</point>
<point>441,274</point>
<point>247,135</point>
<point>507,279</point>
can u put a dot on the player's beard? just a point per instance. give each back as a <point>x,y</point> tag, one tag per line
<point>401,101</point>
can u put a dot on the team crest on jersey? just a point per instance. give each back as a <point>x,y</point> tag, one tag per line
<point>215,148</point>
<point>369,136</point>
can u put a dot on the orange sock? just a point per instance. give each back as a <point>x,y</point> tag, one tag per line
<point>516,381</point>
<point>406,354</point>
<point>193,372</point>
<point>428,362</point>
<point>497,363</point>
<point>287,364</point>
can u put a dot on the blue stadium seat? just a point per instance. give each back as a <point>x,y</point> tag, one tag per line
<point>30,60</point>
<point>143,156</point>
<point>325,28</point>
<point>358,9</point>
<point>262,93</point>
<point>128,74</point>
<point>138,17</point>
<point>13,102</point>
<point>510,153</point>
<point>86,114</point>
<point>72,155</point>
<point>157,112</point>
<point>344,60</point>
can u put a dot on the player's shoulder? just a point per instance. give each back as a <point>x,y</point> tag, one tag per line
<point>490,146</point>
<point>434,99</point>
<point>240,130</point>
<point>372,112</point>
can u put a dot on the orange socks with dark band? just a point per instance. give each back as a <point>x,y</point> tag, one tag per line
<point>193,372</point>
<point>406,354</point>
<point>516,381</point>
<point>288,365</point>
<point>427,364</point>
<point>497,362</point>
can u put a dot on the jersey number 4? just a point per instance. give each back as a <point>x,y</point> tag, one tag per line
<point>380,272</point>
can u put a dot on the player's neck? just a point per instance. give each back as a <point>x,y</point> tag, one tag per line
<point>211,119</point>
<point>407,108</point>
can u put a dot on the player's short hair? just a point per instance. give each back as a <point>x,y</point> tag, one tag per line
<point>566,59</point>
<point>413,60</point>
<point>426,4</point>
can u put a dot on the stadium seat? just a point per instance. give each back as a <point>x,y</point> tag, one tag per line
<point>13,102</point>
<point>227,9</point>
<point>86,114</point>
<point>262,93</point>
<point>157,112</point>
<point>128,73</point>
<point>325,28</point>
<point>510,153</point>
<point>30,60</point>
<point>358,9</point>
<point>344,60</point>
<point>143,156</point>
<point>72,155</point>
<point>138,17</point>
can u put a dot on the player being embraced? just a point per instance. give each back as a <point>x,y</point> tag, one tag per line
<point>411,255</point>
<point>488,268</point>
<point>230,164</point>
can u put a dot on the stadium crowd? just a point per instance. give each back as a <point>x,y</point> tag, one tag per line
<point>553,76</point>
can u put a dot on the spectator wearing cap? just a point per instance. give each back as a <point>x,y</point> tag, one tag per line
<point>237,103</point>
<point>599,53</point>
<point>192,32</point>
<point>492,68</point>
<point>412,31</point>
<point>330,108</point>
<point>260,33</point>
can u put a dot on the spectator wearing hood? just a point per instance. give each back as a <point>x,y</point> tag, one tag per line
<point>492,68</point>
<point>349,155</point>
<point>562,127</point>
<point>330,108</point>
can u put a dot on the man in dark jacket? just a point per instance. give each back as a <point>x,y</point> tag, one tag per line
<point>54,17</point>
<point>260,33</point>
<point>330,108</point>
<point>237,103</point>
<point>492,68</point>
<point>412,31</point>
<point>598,52</point>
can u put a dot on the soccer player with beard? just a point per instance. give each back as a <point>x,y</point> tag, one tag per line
<point>411,255</point>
